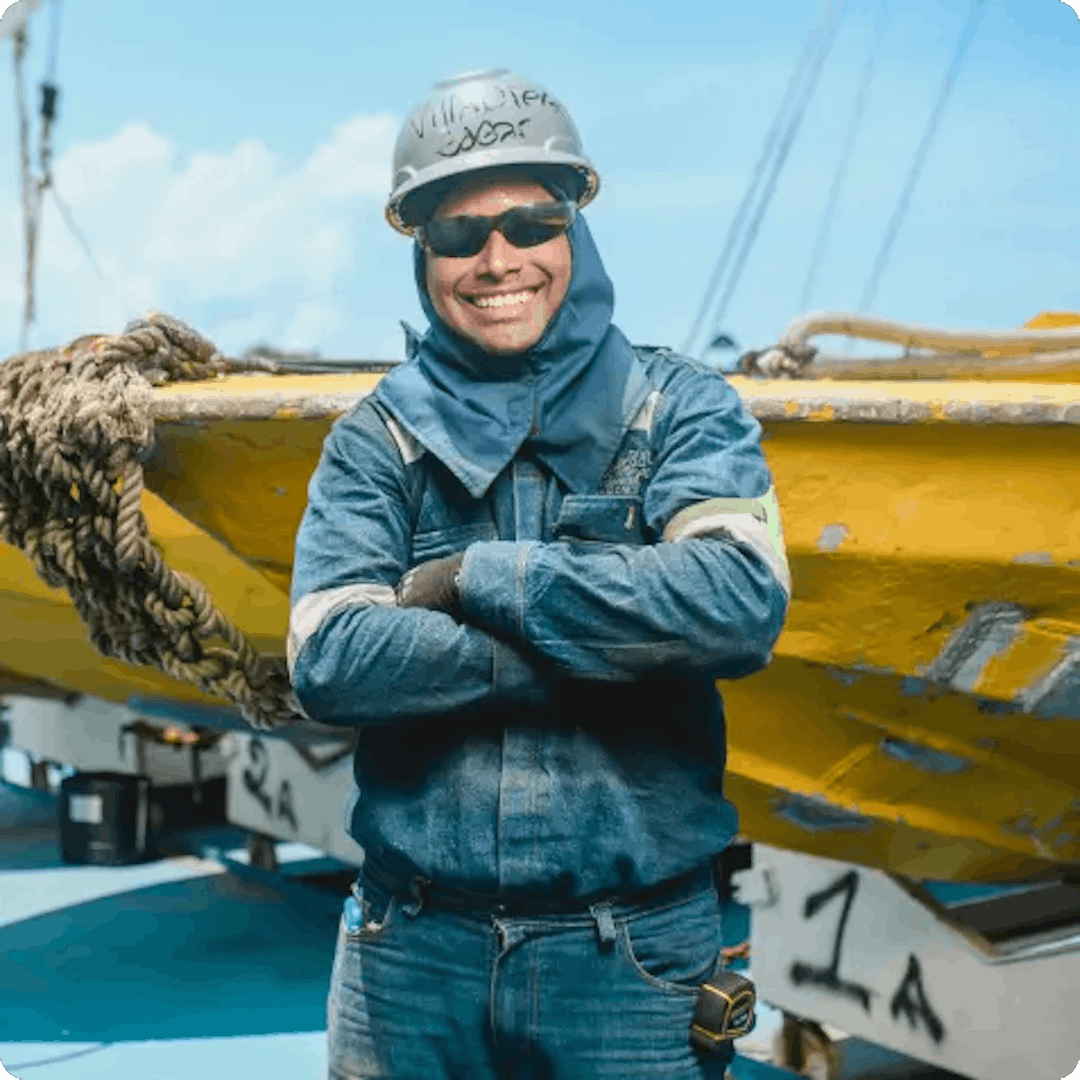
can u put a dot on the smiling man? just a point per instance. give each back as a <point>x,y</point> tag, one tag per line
<point>526,559</point>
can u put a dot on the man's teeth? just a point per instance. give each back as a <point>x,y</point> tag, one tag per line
<point>504,300</point>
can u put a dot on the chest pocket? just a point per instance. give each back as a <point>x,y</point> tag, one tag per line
<point>614,515</point>
<point>437,543</point>
<point>608,519</point>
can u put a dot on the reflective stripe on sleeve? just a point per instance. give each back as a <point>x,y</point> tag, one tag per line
<point>314,609</point>
<point>409,449</point>
<point>646,415</point>
<point>755,522</point>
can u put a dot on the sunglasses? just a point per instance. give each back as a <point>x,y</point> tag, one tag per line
<point>523,226</point>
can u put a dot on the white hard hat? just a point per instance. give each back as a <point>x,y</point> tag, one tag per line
<point>483,120</point>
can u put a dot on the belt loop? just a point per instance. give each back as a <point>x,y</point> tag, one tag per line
<point>604,922</point>
<point>418,891</point>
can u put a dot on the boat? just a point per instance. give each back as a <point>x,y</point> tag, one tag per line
<point>919,712</point>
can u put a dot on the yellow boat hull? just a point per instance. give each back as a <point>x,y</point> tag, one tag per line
<point>911,512</point>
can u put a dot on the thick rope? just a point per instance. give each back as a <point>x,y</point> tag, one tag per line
<point>801,330</point>
<point>75,429</point>
<point>792,356</point>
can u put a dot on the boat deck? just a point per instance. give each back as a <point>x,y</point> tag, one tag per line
<point>199,965</point>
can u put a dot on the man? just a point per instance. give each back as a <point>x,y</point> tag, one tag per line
<point>525,560</point>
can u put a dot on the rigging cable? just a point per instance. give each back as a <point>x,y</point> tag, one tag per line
<point>778,165</point>
<point>755,180</point>
<point>49,94</point>
<point>966,36</point>
<point>69,220</point>
<point>855,122</point>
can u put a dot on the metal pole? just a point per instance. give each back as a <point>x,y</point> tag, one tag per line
<point>20,42</point>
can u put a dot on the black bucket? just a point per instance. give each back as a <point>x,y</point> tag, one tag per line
<point>103,818</point>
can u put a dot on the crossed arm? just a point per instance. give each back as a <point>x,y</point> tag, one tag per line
<point>710,597</point>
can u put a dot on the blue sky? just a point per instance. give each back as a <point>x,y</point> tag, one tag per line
<point>228,163</point>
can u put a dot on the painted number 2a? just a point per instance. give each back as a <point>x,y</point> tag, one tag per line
<point>255,777</point>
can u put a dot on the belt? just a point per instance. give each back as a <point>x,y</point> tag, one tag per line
<point>446,898</point>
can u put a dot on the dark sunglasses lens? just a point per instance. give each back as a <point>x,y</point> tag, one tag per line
<point>457,237</point>
<point>529,226</point>
<point>524,227</point>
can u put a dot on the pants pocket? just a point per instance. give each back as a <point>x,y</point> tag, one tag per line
<point>367,915</point>
<point>675,949</point>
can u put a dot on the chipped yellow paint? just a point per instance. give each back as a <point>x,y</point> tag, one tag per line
<point>823,415</point>
<point>936,515</point>
<point>792,394</point>
<point>1032,656</point>
<point>795,728</point>
<point>261,384</point>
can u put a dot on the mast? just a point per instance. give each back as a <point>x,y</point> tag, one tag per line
<point>32,189</point>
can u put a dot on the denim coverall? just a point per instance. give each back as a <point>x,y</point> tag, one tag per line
<point>554,763</point>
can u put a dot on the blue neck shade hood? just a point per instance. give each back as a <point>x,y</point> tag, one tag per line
<point>571,396</point>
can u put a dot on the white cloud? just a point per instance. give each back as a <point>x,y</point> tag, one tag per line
<point>238,243</point>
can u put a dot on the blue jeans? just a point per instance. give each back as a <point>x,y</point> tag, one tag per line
<point>419,993</point>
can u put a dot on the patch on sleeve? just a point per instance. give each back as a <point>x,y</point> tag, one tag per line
<point>753,522</point>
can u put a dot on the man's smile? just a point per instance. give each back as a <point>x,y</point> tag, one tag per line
<point>501,299</point>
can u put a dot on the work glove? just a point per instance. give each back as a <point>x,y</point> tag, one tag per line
<point>433,584</point>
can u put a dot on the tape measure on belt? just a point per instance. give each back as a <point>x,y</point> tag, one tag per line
<point>725,1010</point>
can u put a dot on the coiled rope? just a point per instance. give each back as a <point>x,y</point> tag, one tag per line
<point>75,430</point>
<point>793,354</point>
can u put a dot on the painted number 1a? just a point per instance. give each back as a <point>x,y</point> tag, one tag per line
<point>828,978</point>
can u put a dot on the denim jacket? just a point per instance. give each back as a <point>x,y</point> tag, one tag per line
<point>567,739</point>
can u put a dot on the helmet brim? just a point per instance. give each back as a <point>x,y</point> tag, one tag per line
<point>419,196</point>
